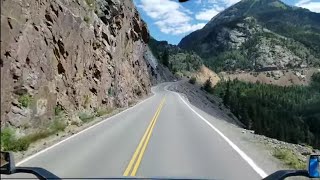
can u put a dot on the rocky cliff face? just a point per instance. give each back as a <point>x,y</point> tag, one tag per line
<point>75,55</point>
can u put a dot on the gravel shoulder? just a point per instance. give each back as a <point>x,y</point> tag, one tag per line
<point>258,147</point>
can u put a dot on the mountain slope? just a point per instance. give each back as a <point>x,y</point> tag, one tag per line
<point>258,35</point>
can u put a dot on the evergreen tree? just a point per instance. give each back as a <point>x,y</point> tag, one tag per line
<point>165,58</point>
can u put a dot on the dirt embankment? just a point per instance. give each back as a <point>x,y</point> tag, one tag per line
<point>204,73</point>
<point>277,77</point>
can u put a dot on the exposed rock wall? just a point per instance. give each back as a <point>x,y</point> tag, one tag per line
<point>78,55</point>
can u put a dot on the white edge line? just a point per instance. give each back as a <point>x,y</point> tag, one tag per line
<point>105,120</point>
<point>235,147</point>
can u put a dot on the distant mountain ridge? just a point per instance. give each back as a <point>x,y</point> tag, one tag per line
<point>258,35</point>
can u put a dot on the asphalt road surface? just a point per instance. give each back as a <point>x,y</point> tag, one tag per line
<point>162,136</point>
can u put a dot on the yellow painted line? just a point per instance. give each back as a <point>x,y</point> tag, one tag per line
<point>135,168</point>
<point>142,141</point>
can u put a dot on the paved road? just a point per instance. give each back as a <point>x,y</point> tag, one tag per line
<point>160,137</point>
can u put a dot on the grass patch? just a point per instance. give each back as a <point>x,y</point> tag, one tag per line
<point>289,158</point>
<point>86,117</point>
<point>25,100</point>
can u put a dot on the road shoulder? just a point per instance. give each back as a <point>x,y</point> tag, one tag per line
<point>260,148</point>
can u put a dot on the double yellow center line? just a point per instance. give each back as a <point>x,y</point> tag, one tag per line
<point>138,154</point>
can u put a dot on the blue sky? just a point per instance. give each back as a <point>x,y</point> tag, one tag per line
<point>171,21</point>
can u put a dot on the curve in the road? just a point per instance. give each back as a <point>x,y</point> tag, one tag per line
<point>235,147</point>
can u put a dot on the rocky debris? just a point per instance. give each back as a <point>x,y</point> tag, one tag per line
<point>78,55</point>
<point>300,150</point>
<point>158,71</point>
<point>204,101</point>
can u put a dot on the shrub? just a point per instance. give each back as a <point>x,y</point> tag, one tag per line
<point>58,125</point>
<point>179,74</point>
<point>86,117</point>
<point>7,136</point>
<point>25,100</point>
<point>58,110</point>
<point>20,145</point>
<point>101,112</point>
<point>90,3</point>
<point>110,92</point>
<point>192,80</point>
<point>86,19</point>
<point>207,86</point>
<point>10,143</point>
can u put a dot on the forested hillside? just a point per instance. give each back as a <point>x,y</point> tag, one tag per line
<point>179,61</point>
<point>289,114</point>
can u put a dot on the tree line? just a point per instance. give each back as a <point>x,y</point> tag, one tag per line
<point>290,114</point>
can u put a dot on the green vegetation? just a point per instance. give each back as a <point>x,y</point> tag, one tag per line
<point>110,92</point>
<point>165,58</point>
<point>176,59</point>
<point>9,141</point>
<point>207,86</point>
<point>91,3</point>
<point>86,117</point>
<point>289,114</point>
<point>192,80</point>
<point>57,125</point>
<point>58,110</point>
<point>86,19</point>
<point>25,100</point>
<point>103,111</point>
<point>289,158</point>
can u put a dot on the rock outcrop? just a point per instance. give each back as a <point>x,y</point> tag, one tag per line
<point>76,55</point>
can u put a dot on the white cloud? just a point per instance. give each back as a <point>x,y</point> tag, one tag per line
<point>308,4</point>
<point>226,3</point>
<point>170,16</point>
<point>299,3</point>
<point>207,14</point>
